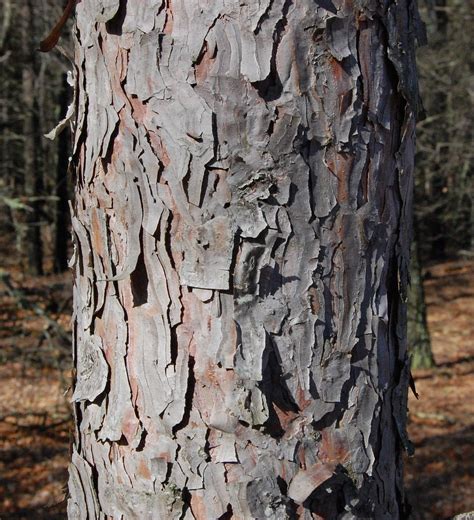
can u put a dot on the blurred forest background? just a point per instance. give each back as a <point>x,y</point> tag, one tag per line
<point>36,287</point>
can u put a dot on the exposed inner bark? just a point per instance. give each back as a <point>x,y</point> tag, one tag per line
<point>242,226</point>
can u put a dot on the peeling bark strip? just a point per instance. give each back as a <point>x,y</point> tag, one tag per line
<point>242,225</point>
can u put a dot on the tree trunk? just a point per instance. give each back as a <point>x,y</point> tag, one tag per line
<point>62,223</point>
<point>417,332</point>
<point>32,180</point>
<point>242,226</point>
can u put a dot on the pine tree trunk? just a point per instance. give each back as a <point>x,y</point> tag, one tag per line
<point>28,221</point>
<point>242,226</point>
<point>61,240</point>
<point>418,335</point>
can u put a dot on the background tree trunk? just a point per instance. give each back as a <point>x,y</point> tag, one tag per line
<point>417,331</point>
<point>62,220</point>
<point>28,221</point>
<point>242,226</point>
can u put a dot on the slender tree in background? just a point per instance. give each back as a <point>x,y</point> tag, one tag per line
<point>62,192</point>
<point>419,342</point>
<point>31,180</point>
<point>444,191</point>
<point>5,53</point>
<point>242,228</point>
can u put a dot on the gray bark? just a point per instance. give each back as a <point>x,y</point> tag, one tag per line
<point>242,225</point>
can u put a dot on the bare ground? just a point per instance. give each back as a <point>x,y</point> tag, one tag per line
<point>440,477</point>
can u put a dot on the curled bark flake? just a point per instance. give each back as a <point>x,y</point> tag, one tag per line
<point>92,370</point>
<point>83,503</point>
<point>307,481</point>
<point>71,110</point>
<point>208,255</point>
<point>106,9</point>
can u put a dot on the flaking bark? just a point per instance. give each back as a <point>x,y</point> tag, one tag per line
<point>242,225</point>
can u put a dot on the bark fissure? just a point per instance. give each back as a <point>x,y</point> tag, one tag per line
<point>270,88</point>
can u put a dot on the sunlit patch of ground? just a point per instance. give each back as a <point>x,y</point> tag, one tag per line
<point>440,477</point>
<point>34,410</point>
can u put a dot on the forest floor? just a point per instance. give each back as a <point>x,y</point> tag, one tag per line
<point>35,425</point>
<point>440,476</point>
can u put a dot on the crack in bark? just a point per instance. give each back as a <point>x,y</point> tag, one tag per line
<point>188,406</point>
<point>115,24</point>
<point>270,88</point>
